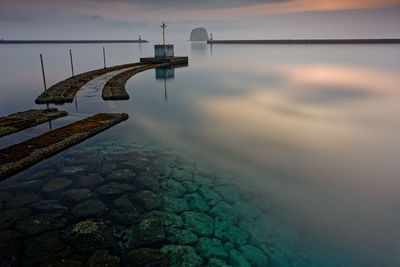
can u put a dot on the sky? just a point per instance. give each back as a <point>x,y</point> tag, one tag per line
<point>226,19</point>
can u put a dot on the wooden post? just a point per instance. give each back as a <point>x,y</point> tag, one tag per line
<point>72,64</point>
<point>104,56</point>
<point>44,76</point>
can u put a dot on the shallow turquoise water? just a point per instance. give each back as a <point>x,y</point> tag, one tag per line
<point>291,151</point>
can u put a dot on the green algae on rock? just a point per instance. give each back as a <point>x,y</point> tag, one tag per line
<point>89,236</point>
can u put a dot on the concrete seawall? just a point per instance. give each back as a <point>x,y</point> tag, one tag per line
<point>70,41</point>
<point>308,41</point>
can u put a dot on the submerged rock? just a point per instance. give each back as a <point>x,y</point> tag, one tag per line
<point>190,186</point>
<point>228,193</point>
<point>61,263</point>
<point>201,180</point>
<point>211,248</point>
<point>225,211</point>
<point>50,207</point>
<point>90,180</point>
<point>114,188</point>
<point>176,205</point>
<point>21,200</point>
<point>238,259</point>
<point>88,208</point>
<point>10,246</point>
<point>135,161</point>
<point>172,188</point>
<point>276,256</point>
<point>169,220</point>
<point>107,167</point>
<point>37,224</point>
<point>148,231</point>
<point>5,196</point>
<point>102,258</point>
<point>147,200</point>
<point>181,256</point>
<point>196,202</point>
<point>56,185</point>
<point>8,217</point>
<point>181,237</point>
<point>229,246</point>
<point>126,218</point>
<point>89,236</point>
<point>161,170</point>
<point>145,257</point>
<point>214,262</point>
<point>226,231</point>
<point>198,223</point>
<point>209,196</point>
<point>121,175</point>
<point>124,203</point>
<point>248,210</point>
<point>41,248</point>
<point>254,255</point>
<point>31,185</point>
<point>256,229</point>
<point>73,169</point>
<point>42,175</point>
<point>182,175</point>
<point>77,195</point>
<point>147,182</point>
<point>125,212</point>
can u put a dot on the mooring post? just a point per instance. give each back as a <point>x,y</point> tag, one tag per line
<point>104,56</point>
<point>44,76</point>
<point>72,63</point>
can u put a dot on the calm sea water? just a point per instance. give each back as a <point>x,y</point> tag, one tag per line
<point>307,136</point>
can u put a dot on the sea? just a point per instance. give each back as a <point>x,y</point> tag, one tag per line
<point>252,155</point>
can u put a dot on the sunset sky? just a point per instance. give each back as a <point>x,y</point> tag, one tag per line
<point>226,19</point>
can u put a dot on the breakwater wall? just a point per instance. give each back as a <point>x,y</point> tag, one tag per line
<point>308,41</point>
<point>70,41</point>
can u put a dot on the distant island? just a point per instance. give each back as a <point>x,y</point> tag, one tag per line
<point>309,41</point>
<point>69,41</point>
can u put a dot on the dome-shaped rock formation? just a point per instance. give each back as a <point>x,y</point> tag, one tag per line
<point>199,34</point>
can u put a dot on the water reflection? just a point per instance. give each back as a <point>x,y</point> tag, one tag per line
<point>198,48</point>
<point>321,137</point>
<point>314,128</point>
<point>165,73</point>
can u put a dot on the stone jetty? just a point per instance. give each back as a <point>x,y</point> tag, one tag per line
<point>66,90</point>
<point>20,156</point>
<point>115,87</point>
<point>22,120</point>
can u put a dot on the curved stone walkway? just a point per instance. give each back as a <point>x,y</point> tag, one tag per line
<point>115,87</point>
<point>66,90</point>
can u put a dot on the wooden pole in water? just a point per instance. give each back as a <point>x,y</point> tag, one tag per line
<point>72,64</point>
<point>44,76</point>
<point>104,56</point>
